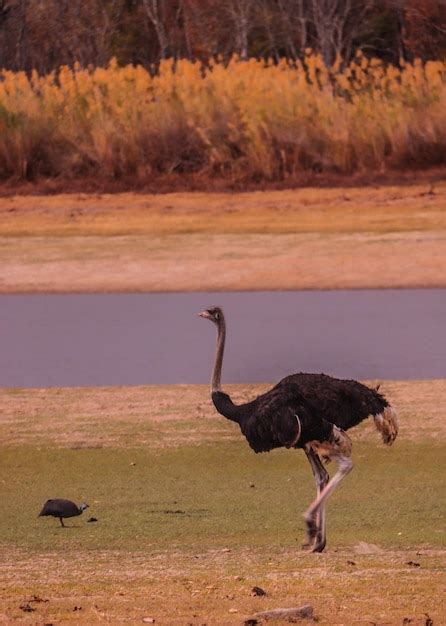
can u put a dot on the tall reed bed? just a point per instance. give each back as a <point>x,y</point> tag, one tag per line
<point>245,120</point>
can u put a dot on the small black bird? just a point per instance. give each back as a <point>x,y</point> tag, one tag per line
<point>62,508</point>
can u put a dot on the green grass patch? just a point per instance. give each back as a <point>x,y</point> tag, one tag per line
<point>213,496</point>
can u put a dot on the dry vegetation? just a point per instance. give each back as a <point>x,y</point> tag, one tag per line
<point>359,585</point>
<point>306,238</point>
<point>386,209</point>
<point>166,416</point>
<point>244,121</point>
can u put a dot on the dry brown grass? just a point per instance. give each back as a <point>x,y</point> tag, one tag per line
<point>345,210</point>
<point>236,121</point>
<point>363,585</point>
<point>160,416</point>
<point>307,238</point>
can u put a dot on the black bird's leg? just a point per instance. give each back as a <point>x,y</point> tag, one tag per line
<point>61,521</point>
<point>338,449</point>
<point>316,527</point>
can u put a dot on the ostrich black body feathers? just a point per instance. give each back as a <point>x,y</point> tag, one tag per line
<point>319,401</point>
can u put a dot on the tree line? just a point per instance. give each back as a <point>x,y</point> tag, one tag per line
<point>45,34</point>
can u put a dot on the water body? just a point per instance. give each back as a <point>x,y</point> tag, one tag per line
<point>131,339</point>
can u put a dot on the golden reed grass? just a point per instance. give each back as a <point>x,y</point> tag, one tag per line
<point>246,120</point>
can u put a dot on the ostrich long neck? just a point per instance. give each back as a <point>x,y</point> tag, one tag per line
<point>216,374</point>
<point>221,400</point>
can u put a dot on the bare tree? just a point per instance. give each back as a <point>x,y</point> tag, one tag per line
<point>336,24</point>
<point>267,19</point>
<point>294,19</point>
<point>420,28</point>
<point>398,7</point>
<point>156,13</point>
<point>241,14</point>
<point>22,43</point>
<point>168,19</point>
<point>145,31</point>
<point>225,28</point>
<point>284,24</point>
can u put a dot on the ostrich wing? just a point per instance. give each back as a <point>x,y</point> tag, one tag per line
<point>275,420</point>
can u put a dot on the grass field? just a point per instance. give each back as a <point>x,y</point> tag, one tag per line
<point>388,236</point>
<point>190,520</point>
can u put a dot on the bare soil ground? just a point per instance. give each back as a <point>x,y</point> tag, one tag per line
<point>303,238</point>
<point>363,584</point>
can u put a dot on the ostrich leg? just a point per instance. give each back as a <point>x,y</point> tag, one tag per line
<point>345,465</point>
<point>316,534</point>
<point>338,449</point>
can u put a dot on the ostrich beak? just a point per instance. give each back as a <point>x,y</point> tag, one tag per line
<point>204,314</point>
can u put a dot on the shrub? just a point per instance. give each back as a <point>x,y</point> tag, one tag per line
<point>246,120</point>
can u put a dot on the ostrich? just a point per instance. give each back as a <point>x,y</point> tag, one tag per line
<point>62,508</point>
<point>308,411</point>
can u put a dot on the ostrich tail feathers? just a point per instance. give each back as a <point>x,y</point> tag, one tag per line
<point>387,424</point>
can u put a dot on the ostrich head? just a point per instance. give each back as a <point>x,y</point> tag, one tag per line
<point>214,314</point>
<point>83,506</point>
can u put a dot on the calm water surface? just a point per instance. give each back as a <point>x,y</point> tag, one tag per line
<point>122,339</point>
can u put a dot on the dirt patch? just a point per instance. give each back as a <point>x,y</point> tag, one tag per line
<point>309,210</point>
<point>222,262</point>
<point>169,416</point>
<point>214,587</point>
<point>301,239</point>
<point>367,548</point>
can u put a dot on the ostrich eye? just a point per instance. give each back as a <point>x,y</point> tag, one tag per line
<point>217,315</point>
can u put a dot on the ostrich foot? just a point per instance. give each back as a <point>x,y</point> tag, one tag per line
<point>315,534</point>
<point>312,532</point>
<point>319,544</point>
<point>316,545</point>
